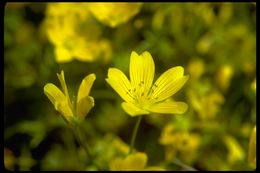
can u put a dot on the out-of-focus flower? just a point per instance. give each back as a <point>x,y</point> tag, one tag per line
<point>253,85</point>
<point>108,148</point>
<point>133,162</point>
<point>179,142</point>
<point>252,149</point>
<point>158,19</point>
<point>79,10</point>
<point>69,28</point>
<point>223,76</point>
<point>195,68</point>
<point>204,44</point>
<point>235,151</point>
<point>61,100</point>
<point>206,12</point>
<point>206,104</point>
<point>114,14</point>
<point>140,96</point>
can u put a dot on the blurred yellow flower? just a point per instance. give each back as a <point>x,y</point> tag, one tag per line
<point>253,85</point>
<point>62,9</point>
<point>196,68</point>
<point>223,76</point>
<point>120,145</point>
<point>69,29</point>
<point>61,100</point>
<point>206,104</point>
<point>140,96</point>
<point>109,147</point>
<point>133,162</point>
<point>252,149</point>
<point>114,14</point>
<point>179,142</point>
<point>235,151</point>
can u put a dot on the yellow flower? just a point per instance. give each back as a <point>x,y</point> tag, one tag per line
<point>252,149</point>
<point>207,104</point>
<point>253,85</point>
<point>235,150</point>
<point>223,76</point>
<point>141,97</point>
<point>61,9</point>
<point>181,143</point>
<point>196,68</point>
<point>69,28</point>
<point>61,100</point>
<point>133,162</point>
<point>113,14</point>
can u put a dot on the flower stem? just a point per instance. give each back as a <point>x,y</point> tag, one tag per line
<point>84,146</point>
<point>137,124</point>
<point>79,139</point>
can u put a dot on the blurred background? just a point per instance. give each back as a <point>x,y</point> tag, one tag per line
<point>214,42</point>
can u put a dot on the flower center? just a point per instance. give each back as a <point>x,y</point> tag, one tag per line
<point>142,95</point>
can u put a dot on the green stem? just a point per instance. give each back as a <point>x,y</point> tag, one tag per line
<point>77,133</point>
<point>79,139</point>
<point>137,124</point>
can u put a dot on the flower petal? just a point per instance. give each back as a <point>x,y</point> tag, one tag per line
<point>168,83</point>
<point>84,105</point>
<point>136,161</point>
<point>64,87</point>
<point>62,82</point>
<point>59,100</point>
<point>169,107</point>
<point>84,101</point>
<point>54,94</point>
<point>119,82</point>
<point>141,72</point>
<point>116,165</point>
<point>132,110</point>
<point>62,55</point>
<point>85,86</point>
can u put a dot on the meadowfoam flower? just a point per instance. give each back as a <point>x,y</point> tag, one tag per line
<point>179,143</point>
<point>114,14</point>
<point>70,24</point>
<point>141,96</point>
<point>61,100</point>
<point>133,162</point>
